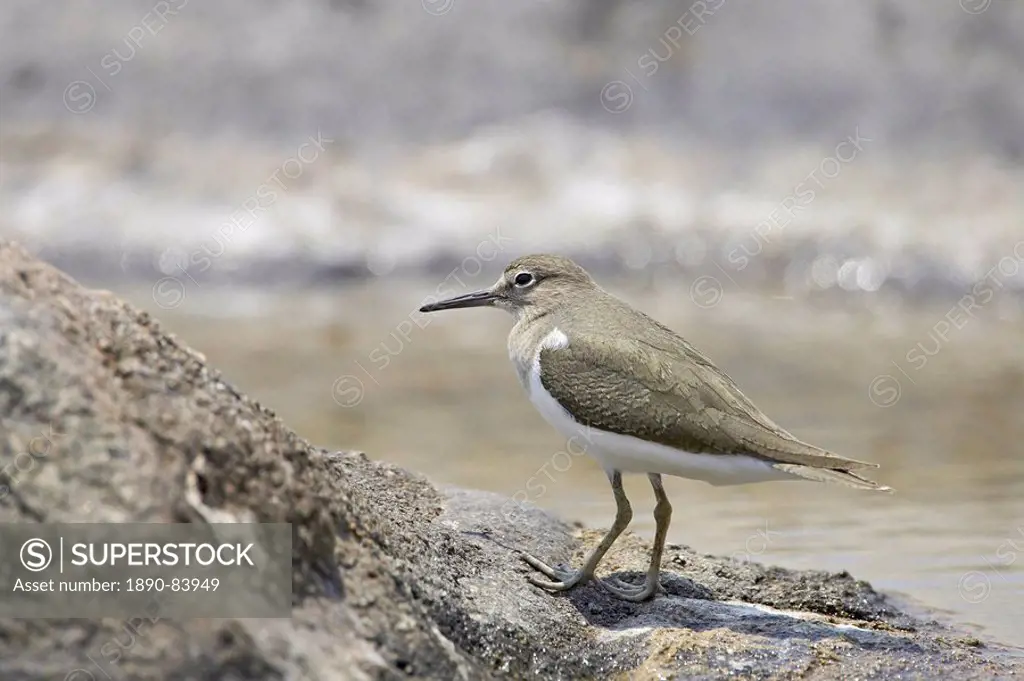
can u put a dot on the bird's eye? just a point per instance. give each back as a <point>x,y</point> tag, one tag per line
<point>524,279</point>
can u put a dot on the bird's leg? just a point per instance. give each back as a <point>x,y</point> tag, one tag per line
<point>662,517</point>
<point>566,579</point>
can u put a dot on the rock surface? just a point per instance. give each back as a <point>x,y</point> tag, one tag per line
<point>394,578</point>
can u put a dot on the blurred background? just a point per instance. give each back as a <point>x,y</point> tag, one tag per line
<point>827,199</point>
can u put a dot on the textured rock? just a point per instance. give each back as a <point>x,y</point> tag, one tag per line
<point>393,578</point>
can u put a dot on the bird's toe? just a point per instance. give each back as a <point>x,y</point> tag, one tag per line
<point>545,569</point>
<point>630,592</point>
<point>560,585</point>
<point>623,585</point>
<point>560,579</point>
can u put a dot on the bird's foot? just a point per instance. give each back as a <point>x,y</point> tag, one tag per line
<point>561,580</point>
<point>631,592</point>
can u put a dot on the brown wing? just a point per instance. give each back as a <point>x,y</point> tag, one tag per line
<point>674,397</point>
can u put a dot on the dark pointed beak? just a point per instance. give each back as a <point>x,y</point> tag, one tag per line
<point>475,299</point>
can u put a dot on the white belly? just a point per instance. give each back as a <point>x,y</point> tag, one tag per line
<point>629,454</point>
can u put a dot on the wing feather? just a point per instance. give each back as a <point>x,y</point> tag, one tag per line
<point>671,395</point>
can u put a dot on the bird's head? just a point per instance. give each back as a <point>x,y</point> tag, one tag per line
<point>537,284</point>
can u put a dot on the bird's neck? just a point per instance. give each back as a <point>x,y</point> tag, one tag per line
<point>530,329</point>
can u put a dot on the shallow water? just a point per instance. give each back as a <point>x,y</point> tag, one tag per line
<point>349,368</point>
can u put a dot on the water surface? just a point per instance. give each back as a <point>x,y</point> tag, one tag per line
<point>349,368</point>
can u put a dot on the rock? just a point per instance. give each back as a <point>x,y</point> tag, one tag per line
<point>393,577</point>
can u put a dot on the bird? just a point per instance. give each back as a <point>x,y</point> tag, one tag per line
<point>643,399</point>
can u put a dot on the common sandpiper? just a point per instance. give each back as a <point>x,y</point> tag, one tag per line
<point>645,400</point>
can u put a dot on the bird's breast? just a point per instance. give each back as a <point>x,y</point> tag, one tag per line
<point>529,370</point>
<point>525,344</point>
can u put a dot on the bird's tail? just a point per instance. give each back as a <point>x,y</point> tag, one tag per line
<point>831,475</point>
